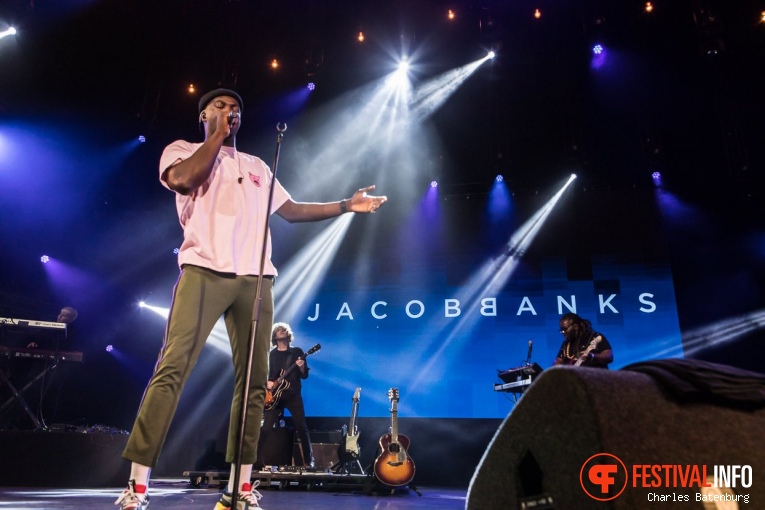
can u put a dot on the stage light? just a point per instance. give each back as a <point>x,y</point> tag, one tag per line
<point>762,16</point>
<point>656,176</point>
<point>537,13</point>
<point>403,65</point>
<point>141,304</point>
<point>176,251</point>
<point>597,49</point>
<point>491,55</point>
<point>311,86</point>
<point>44,259</point>
<point>109,348</point>
<point>648,7</point>
<point>499,178</point>
<point>142,139</point>
<point>433,184</point>
<point>7,32</point>
<point>360,37</point>
<point>274,64</point>
<point>192,89</point>
<point>451,14</point>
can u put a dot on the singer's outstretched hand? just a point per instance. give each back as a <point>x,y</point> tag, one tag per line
<point>360,202</point>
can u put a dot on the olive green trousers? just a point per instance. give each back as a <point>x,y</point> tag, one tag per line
<point>200,297</point>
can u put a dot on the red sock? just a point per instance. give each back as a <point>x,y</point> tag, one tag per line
<point>140,489</point>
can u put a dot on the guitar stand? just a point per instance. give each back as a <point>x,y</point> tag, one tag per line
<point>392,490</point>
<point>350,467</point>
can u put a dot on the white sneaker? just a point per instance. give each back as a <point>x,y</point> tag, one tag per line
<point>247,500</point>
<point>132,500</point>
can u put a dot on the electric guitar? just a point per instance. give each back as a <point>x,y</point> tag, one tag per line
<point>394,466</point>
<point>280,384</point>
<point>352,435</point>
<point>583,357</point>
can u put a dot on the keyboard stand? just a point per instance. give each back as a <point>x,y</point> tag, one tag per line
<point>17,396</point>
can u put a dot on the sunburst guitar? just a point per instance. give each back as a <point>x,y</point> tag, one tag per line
<point>394,466</point>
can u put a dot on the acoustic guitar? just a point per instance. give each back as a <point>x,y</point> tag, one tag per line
<point>394,466</point>
<point>352,435</point>
<point>280,384</point>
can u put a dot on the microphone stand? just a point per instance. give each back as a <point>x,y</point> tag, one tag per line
<point>254,324</point>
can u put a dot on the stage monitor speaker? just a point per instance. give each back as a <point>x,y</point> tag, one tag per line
<point>571,414</point>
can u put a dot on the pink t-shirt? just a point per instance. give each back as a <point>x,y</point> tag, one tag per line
<point>223,219</point>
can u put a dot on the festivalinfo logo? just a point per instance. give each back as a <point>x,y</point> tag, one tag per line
<point>605,477</point>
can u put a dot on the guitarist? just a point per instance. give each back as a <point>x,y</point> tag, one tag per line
<point>581,345</point>
<point>287,389</point>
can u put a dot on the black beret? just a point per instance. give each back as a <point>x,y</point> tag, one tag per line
<point>205,100</point>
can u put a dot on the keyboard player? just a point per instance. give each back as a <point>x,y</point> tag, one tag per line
<point>29,350</point>
<point>67,316</point>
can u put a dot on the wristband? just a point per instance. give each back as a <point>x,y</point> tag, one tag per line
<point>343,207</point>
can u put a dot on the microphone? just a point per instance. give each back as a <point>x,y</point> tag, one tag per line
<point>528,357</point>
<point>233,116</point>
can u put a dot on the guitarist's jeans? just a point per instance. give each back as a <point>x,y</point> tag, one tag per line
<point>200,297</point>
<point>293,402</point>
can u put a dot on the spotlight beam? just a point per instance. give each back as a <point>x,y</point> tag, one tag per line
<point>432,95</point>
<point>722,331</point>
<point>303,274</point>
<point>487,281</point>
<point>7,32</point>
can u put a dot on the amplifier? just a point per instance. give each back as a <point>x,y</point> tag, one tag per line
<point>326,446</point>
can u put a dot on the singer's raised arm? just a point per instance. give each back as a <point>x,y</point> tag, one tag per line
<point>360,202</point>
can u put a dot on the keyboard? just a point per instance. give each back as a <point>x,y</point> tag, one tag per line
<point>13,352</point>
<point>26,323</point>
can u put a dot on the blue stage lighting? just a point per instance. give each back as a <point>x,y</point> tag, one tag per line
<point>597,49</point>
<point>44,259</point>
<point>656,175</point>
<point>176,250</point>
<point>499,178</point>
<point>142,139</point>
<point>491,54</point>
<point>311,86</point>
<point>433,184</point>
<point>109,348</point>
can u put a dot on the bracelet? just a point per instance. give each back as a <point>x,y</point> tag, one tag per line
<point>343,207</point>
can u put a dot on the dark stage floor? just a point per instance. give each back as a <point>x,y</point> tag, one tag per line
<point>179,494</point>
